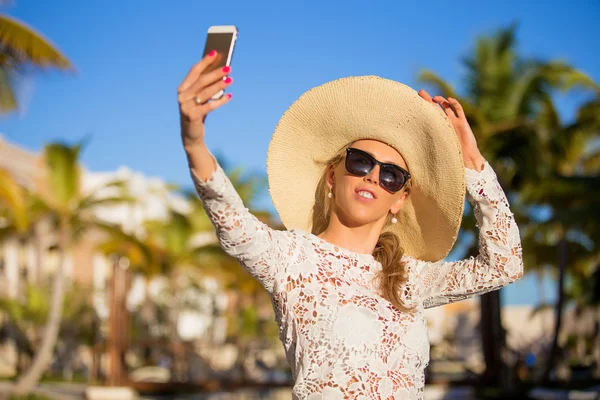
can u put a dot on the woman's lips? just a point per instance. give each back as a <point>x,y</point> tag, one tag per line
<point>359,197</point>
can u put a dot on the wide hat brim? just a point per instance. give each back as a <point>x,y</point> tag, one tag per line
<point>329,117</point>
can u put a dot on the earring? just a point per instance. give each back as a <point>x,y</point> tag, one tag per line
<point>330,195</point>
<point>394,219</point>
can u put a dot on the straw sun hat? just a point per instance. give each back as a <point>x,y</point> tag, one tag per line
<point>329,117</point>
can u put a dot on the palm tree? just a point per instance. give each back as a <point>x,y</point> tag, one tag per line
<point>23,51</point>
<point>184,244</point>
<point>23,315</point>
<point>201,250</point>
<point>503,96</point>
<point>31,311</point>
<point>174,249</point>
<point>570,187</point>
<point>13,206</point>
<point>80,326</point>
<point>143,258</point>
<point>72,211</point>
<point>15,220</point>
<point>166,248</point>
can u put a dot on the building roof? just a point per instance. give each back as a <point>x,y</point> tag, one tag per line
<point>25,165</point>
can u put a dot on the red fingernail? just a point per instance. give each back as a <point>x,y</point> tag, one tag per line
<point>212,53</point>
<point>226,69</point>
<point>229,96</point>
<point>228,80</point>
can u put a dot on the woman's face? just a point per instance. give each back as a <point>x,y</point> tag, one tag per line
<point>361,200</point>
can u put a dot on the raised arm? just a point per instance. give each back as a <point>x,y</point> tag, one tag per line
<point>260,249</point>
<point>499,261</point>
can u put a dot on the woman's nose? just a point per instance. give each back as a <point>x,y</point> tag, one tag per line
<point>373,176</point>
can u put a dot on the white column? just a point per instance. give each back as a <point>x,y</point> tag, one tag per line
<point>69,266</point>
<point>100,264</point>
<point>11,265</point>
<point>219,330</point>
<point>31,260</point>
<point>46,237</point>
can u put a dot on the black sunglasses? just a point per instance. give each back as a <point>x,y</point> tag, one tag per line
<point>391,177</point>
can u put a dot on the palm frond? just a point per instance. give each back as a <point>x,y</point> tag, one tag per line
<point>547,118</point>
<point>143,255</point>
<point>440,85</point>
<point>565,77</point>
<point>591,162</point>
<point>590,112</point>
<point>12,196</point>
<point>506,39</point>
<point>177,232</point>
<point>24,47</point>
<point>91,203</point>
<point>63,173</point>
<point>8,97</point>
<point>115,186</point>
<point>559,188</point>
<point>6,231</point>
<point>38,207</point>
<point>523,91</point>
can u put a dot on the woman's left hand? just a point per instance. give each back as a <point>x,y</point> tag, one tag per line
<point>471,155</point>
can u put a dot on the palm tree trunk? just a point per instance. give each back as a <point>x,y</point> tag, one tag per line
<point>94,364</point>
<point>562,269</point>
<point>21,265</point>
<point>596,339</point>
<point>176,343</point>
<point>119,324</point>
<point>29,380</point>
<point>39,253</point>
<point>542,297</point>
<point>148,310</point>
<point>148,319</point>
<point>492,338</point>
<point>541,291</point>
<point>596,302</point>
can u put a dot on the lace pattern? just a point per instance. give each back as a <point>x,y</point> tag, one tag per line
<point>343,340</point>
<point>499,261</point>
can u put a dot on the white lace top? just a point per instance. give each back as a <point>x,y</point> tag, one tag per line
<point>342,340</point>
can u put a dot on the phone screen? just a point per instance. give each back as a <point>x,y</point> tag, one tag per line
<point>221,42</point>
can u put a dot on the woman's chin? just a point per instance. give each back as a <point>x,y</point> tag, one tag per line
<point>361,219</point>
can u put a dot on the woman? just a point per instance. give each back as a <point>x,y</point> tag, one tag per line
<point>369,177</point>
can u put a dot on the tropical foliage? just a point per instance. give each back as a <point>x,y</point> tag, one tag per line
<point>70,211</point>
<point>547,166</point>
<point>23,51</point>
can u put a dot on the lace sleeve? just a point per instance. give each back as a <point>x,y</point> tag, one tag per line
<point>499,261</point>
<point>257,247</point>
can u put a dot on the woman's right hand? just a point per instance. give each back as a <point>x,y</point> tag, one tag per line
<point>194,95</point>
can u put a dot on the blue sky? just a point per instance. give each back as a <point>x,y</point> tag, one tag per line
<point>131,56</point>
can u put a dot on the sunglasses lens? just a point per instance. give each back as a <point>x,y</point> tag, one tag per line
<point>391,178</point>
<point>359,164</point>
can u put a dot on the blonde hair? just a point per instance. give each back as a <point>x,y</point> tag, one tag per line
<point>387,250</point>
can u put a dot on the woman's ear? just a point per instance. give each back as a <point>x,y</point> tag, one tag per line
<point>397,206</point>
<point>331,176</point>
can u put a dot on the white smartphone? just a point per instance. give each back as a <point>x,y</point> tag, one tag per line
<point>222,39</point>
